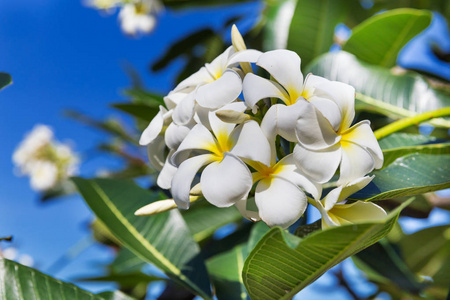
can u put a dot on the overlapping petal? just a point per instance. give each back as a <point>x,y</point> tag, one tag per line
<point>221,91</point>
<point>251,143</point>
<point>155,127</point>
<point>256,88</point>
<point>356,162</point>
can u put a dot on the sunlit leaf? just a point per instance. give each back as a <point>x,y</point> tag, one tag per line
<point>399,140</point>
<point>390,155</point>
<point>21,282</point>
<point>312,27</point>
<point>379,39</point>
<point>395,95</point>
<point>162,239</point>
<point>277,268</point>
<point>408,175</point>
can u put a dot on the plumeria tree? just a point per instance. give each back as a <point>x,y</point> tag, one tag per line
<point>266,130</point>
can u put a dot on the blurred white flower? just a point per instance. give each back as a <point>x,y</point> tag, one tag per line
<point>12,253</point>
<point>138,17</point>
<point>106,5</point>
<point>46,161</point>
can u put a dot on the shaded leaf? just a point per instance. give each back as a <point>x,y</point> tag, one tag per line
<point>139,95</point>
<point>408,175</point>
<point>398,140</point>
<point>125,280</point>
<point>377,88</point>
<point>162,239</point>
<point>127,262</point>
<point>21,282</point>
<point>277,269</point>
<point>5,80</point>
<point>141,111</point>
<point>379,39</point>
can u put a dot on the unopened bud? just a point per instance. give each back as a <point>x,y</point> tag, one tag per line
<point>196,190</point>
<point>160,206</point>
<point>232,116</point>
<point>237,40</point>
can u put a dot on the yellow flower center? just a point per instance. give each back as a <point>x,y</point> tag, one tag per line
<point>223,143</point>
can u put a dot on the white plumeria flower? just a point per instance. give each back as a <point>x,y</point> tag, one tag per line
<point>137,17</point>
<point>278,196</point>
<point>214,85</point>
<point>335,214</point>
<point>107,5</point>
<point>284,67</point>
<point>44,175</point>
<point>225,179</point>
<point>322,148</point>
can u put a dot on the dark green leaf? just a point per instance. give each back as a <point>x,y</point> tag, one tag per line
<point>391,155</point>
<point>126,262</point>
<point>399,140</point>
<point>139,95</point>
<point>125,280</point>
<point>395,95</point>
<point>141,111</point>
<point>277,270</point>
<point>408,175</point>
<point>21,282</point>
<point>5,79</point>
<point>312,27</point>
<point>379,39</point>
<point>162,239</point>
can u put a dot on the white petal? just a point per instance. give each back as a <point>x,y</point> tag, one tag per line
<point>174,98</point>
<point>362,135</point>
<point>283,118</point>
<point>155,152</point>
<point>356,162</point>
<point>219,64</point>
<point>344,96</point>
<point>184,111</point>
<point>249,55</point>
<point>359,211</point>
<point>200,77</point>
<point>280,203</point>
<point>256,88</point>
<point>220,92</point>
<point>313,130</point>
<point>329,110</point>
<point>319,165</point>
<point>226,182</point>
<point>154,128</point>
<point>313,85</point>
<point>251,143</point>
<point>354,186</point>
<point>198,138</point>
<point>219,127</point>
<point>332,198</point>
<point>182,180</point>
<point>175,134</point>
<point>165,177</point>
<point>249,214</point>
<point>284,66</point>
<point>290,172</point>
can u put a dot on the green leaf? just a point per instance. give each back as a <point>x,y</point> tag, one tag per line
<point>21,282</point>
<point>139,95</point>
<point>377,88</point>
<point>5,79</point>
<point>162,239</point>
<point>278,16</point>
<point>125,280</point>
<point>408,175</point>
<point>312,27</point>
<point>400,140</point>
<point>141,111</point>
<point>276,270</point>
<point>379,39</point>
<point>391,155</point>
<point>126,262</point>
<point>384,259</point>
<point>204,220</point>
<point>226,270</point>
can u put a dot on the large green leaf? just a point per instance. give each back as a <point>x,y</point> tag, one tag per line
<point>377,88</point>
<point>408,175</point>
<point>400,140</point>
<point>278,16</point>
<point>390,155</point>
<point>379,39</point>
<point>162,239</point>
<point>126,262</point>
<point>23,283</point>
<point>141,111</point>
<point>5,79</point>
<point>203,220</point>
<point>312,27</point>
<point>279,269</point>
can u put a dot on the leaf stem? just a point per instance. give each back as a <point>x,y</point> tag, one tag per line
<point>406,122</point>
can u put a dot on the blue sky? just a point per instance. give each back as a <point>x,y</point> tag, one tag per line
<point>63,55</point>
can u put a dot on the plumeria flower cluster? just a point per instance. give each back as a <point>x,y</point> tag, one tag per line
<point>264,145</point>
<point>135,16</point>
<point>46,161</point>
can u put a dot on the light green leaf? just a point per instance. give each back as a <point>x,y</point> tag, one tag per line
<point>274,270</point>
<point>203,220</point>
<point>379,39</point>
<point>312,27</point>
<point>390,155</point>
<point>400,140</point>
<point>21,282</point>
<point>278,16</point>
<point>408,175</point>
<point>141,111</point>
<point>162,239</point>
<point>126,261</point>
<point>5,79</point>
<point>377,88</point>
<point>226,270</point>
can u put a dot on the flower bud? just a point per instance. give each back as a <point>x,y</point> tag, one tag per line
<point>232,116</point>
